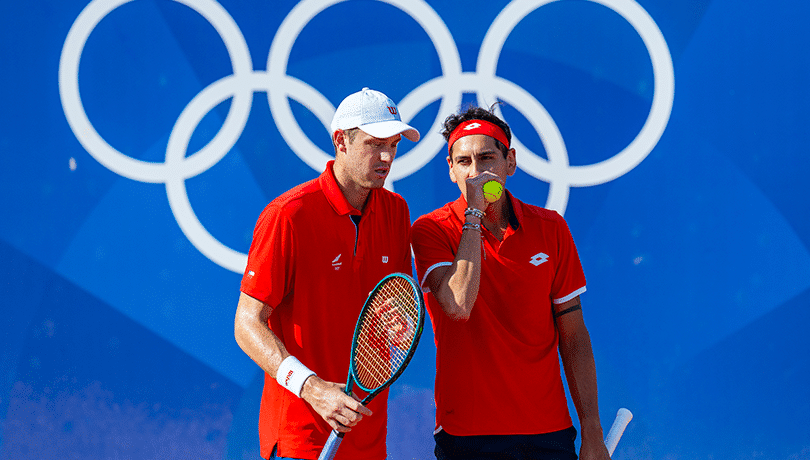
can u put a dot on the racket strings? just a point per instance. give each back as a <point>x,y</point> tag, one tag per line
<point>386,333</point>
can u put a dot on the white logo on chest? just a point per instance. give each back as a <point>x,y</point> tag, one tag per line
<point>538,258</point>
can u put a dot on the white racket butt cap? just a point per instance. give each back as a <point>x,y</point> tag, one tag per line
<point>623,417</point>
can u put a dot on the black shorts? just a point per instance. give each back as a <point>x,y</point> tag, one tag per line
<point>558,445</point>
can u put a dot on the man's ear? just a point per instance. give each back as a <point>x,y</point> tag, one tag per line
<point>339,141</point>
<point>511,162</point>
<point>450,169</point>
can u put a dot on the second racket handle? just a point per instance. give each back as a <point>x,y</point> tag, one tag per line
<point>623,417</point>
<point>331,446</point>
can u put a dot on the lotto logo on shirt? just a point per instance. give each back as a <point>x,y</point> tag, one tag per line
<point>538,259</point>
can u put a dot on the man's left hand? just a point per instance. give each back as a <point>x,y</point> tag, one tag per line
<point>593,449</point>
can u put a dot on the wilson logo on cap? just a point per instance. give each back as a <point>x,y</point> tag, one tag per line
<point>393,110</point>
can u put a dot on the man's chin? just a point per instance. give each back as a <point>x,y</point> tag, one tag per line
<point>377,182</point>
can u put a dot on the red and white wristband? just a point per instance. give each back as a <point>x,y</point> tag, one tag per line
<point>292,375</point>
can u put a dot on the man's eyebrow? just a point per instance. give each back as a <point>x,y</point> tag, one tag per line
<point>374,140</point>
<point>477,154</point>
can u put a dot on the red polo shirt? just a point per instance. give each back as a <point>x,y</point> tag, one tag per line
<point>499,373</point>
<point>311,263</point>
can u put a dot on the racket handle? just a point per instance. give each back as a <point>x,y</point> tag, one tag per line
<point>623,417</point>
<point>331,446</point>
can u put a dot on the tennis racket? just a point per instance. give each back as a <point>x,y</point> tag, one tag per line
<point>623,417</point>
<point>385,340</point>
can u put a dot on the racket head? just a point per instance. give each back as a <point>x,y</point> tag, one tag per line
<point>387,333</point>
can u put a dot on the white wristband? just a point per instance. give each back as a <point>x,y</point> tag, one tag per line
<point>292,375</point>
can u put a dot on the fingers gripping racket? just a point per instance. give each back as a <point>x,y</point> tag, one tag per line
<point>385,340</point>
<point>623,417</point>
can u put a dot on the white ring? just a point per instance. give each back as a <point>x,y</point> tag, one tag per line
<point>283,86</point>
<point>556,170</point>
<point>92,141</point>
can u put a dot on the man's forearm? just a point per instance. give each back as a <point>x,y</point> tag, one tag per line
<point>255,338</point>
<point>456,287</point>
<point>580,372</point>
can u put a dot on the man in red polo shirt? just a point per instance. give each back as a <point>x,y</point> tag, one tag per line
<point>502,282</point>
<point>317,251</point>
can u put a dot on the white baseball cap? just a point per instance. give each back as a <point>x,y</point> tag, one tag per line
<point>374,113</point>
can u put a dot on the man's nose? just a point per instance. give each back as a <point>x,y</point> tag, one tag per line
<point>477,168</point>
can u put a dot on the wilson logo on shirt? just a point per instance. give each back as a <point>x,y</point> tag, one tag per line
<point>538,259</point>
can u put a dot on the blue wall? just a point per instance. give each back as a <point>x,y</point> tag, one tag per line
<point>139,141</point>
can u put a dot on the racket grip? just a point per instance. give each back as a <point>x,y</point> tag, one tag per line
<point>331,446</point>
<point>623,417</point>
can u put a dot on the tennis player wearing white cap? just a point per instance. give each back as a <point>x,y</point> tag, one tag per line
<point>317,251</point>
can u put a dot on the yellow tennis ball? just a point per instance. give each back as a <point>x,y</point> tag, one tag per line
<point>492,191</point>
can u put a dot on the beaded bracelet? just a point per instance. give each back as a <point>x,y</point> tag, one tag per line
<point>474,212</point>
<point>471,226</point>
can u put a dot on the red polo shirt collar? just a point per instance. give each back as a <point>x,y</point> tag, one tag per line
<point>335,196</point>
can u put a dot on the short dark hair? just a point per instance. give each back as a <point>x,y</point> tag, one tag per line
<point>477,113</point>
<point>349,134</point>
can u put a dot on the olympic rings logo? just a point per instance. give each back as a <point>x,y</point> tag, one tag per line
<point>280,88</point>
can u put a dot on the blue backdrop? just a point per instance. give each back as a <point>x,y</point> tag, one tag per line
<point>140,140</point>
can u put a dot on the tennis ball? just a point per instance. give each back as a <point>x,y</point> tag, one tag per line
<point>492,191</point>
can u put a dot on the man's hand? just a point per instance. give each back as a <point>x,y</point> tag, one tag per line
<point>475,189</point>
<point>341,411</point>
<point>593,448</point>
